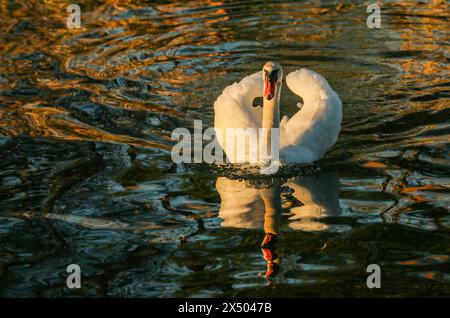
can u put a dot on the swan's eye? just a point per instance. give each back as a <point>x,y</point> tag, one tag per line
<point>274,76</point>
<point>271,75</point>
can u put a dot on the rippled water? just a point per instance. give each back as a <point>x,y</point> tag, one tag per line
<point>86,175</point>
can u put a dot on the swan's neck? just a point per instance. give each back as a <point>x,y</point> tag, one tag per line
<point>271,110</point>
<point>271,117</point>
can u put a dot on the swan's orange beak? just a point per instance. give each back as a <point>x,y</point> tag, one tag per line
<point>269,87</point>
<point>270,83</point>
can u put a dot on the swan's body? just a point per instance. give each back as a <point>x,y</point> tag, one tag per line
<point>303,138</point>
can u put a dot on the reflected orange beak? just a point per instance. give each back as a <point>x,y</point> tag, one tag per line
<point>272,270</point>
<point>269,240</point>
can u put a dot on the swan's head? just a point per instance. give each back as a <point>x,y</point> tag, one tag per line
<point>272,75</point>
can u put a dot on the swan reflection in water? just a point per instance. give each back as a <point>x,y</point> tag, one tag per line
<point>259,205</point>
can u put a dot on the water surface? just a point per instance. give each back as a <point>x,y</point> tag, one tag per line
<point>86,175</point>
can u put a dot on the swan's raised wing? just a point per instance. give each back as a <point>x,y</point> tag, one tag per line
<point>234,107</point>
<point>315,127</point>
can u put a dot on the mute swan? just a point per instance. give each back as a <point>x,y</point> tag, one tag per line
<point>302,139</point>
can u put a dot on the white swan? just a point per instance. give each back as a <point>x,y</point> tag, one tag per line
<point>302,139</point>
